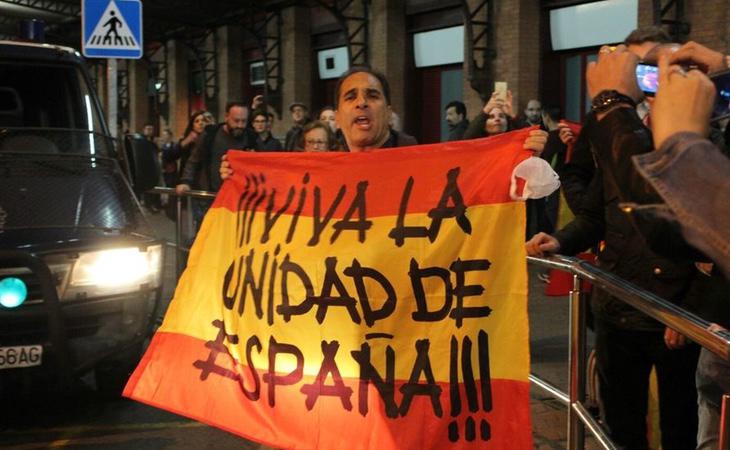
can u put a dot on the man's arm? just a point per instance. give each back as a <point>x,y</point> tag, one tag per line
<point>692,176</point>
<point>589,226</point>
<point>616,138</point>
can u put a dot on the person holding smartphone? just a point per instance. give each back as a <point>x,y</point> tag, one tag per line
<point>628,343</point>
<point>691,175</point>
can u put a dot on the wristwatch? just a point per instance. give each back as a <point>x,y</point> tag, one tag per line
<point>609,98</point>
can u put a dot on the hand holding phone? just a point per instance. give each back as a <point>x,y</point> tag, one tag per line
<point>647,76</point>
<point>721,110</point>
<point>683,103</point>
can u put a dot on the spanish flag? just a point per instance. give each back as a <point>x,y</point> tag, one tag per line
<point>373,300</point>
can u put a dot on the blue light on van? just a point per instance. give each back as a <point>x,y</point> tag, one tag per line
<point>13,292</point>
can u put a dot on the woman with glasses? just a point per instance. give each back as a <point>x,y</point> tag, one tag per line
<point>317,137</point>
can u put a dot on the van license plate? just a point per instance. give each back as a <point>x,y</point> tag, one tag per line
<point>21,356</point>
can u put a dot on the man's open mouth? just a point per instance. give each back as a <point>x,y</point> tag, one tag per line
<point>362,121</point>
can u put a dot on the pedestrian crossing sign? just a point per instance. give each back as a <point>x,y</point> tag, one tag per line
<point>111,28</point>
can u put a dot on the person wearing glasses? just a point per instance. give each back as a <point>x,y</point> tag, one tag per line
<point>317,136</point>
<point>265,142</point>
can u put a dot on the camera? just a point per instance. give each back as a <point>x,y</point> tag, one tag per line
<point>647,77</point>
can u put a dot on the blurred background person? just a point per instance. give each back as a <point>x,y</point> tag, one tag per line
<point>327,115</point>
<point>300,117</point>
<point>456,120</point>
<point>317,136</point>
<point>180,152</point>
<point>264,140</point>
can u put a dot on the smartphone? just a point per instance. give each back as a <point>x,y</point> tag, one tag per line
<point>721,81</point>
<point>647,76</point>
<point>500,87</point>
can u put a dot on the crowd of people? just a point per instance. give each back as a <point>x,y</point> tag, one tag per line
<point>633,149</point>
<point>641,150</point>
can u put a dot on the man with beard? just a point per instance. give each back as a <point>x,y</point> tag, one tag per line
<point>456,119</point>
<point>201,169</point>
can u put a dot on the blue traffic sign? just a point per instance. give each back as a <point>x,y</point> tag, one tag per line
<point>111,28</point>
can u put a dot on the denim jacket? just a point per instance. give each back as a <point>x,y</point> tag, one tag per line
<point>693,178</point>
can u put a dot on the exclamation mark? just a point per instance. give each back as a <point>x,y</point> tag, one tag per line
<point>470,387</point>
<point>470,384</point>
<point>454,389</point>
<point>486,382</point>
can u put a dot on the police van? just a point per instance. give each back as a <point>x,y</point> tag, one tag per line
<point>80,267</point>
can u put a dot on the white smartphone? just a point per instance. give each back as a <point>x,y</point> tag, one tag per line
<point>500,87</point>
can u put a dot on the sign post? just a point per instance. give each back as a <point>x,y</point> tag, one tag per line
<point>111,29</point>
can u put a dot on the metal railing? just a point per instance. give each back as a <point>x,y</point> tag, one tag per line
<point>180,250</point>
<point>686,323</point>
<point>579,418</point>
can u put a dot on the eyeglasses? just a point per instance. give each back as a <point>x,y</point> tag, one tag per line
<point>315,142</point>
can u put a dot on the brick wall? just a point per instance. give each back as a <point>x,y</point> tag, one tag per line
<point>388,48</point>
<point>296,63</point>
<point>709,19</point>
<point>517,39</point>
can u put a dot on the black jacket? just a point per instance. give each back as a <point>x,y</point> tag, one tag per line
<point>201,168</point>
<point>456,132</point>
<point>627,253</point>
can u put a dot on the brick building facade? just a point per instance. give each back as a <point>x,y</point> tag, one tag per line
<point>519,52</point>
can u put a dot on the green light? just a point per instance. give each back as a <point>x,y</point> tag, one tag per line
<point>12,292</point>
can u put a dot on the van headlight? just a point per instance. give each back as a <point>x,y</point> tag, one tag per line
<point>115,271</point>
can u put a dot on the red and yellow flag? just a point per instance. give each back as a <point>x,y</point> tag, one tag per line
<point>373,300</point>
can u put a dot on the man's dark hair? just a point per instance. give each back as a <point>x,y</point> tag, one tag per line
<point>553,111</point>
<point>647,34</point>
<point>259,112</point>
<point>365,69</point>
<point>270,115</point>
<point>233,104</point>
<point>459,106</point>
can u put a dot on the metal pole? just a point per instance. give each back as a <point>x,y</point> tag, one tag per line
<point>576,377</point>
<point>178,236</point>
<point>724,426</point>
<point>112,97</point>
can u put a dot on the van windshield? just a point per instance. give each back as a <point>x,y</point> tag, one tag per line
<point>49,108</point>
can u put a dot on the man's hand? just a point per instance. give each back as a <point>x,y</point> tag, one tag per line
<point>692,53</point>
<point>225,170</point>
<point>673,340</point>
<point>536,141</point>
<point>542,243</point>
<point>182,188</point>
<point>683,102</point>
<point>565,133</point>
<point>614,70</point>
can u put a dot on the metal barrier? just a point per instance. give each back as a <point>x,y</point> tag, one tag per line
<point>579,418</point>
<point>665,312</point>
<point>180,249</point>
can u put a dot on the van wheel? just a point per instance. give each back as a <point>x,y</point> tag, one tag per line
<point>111,375</point>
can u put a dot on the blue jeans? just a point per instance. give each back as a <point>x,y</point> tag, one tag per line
<point>713,380</point>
